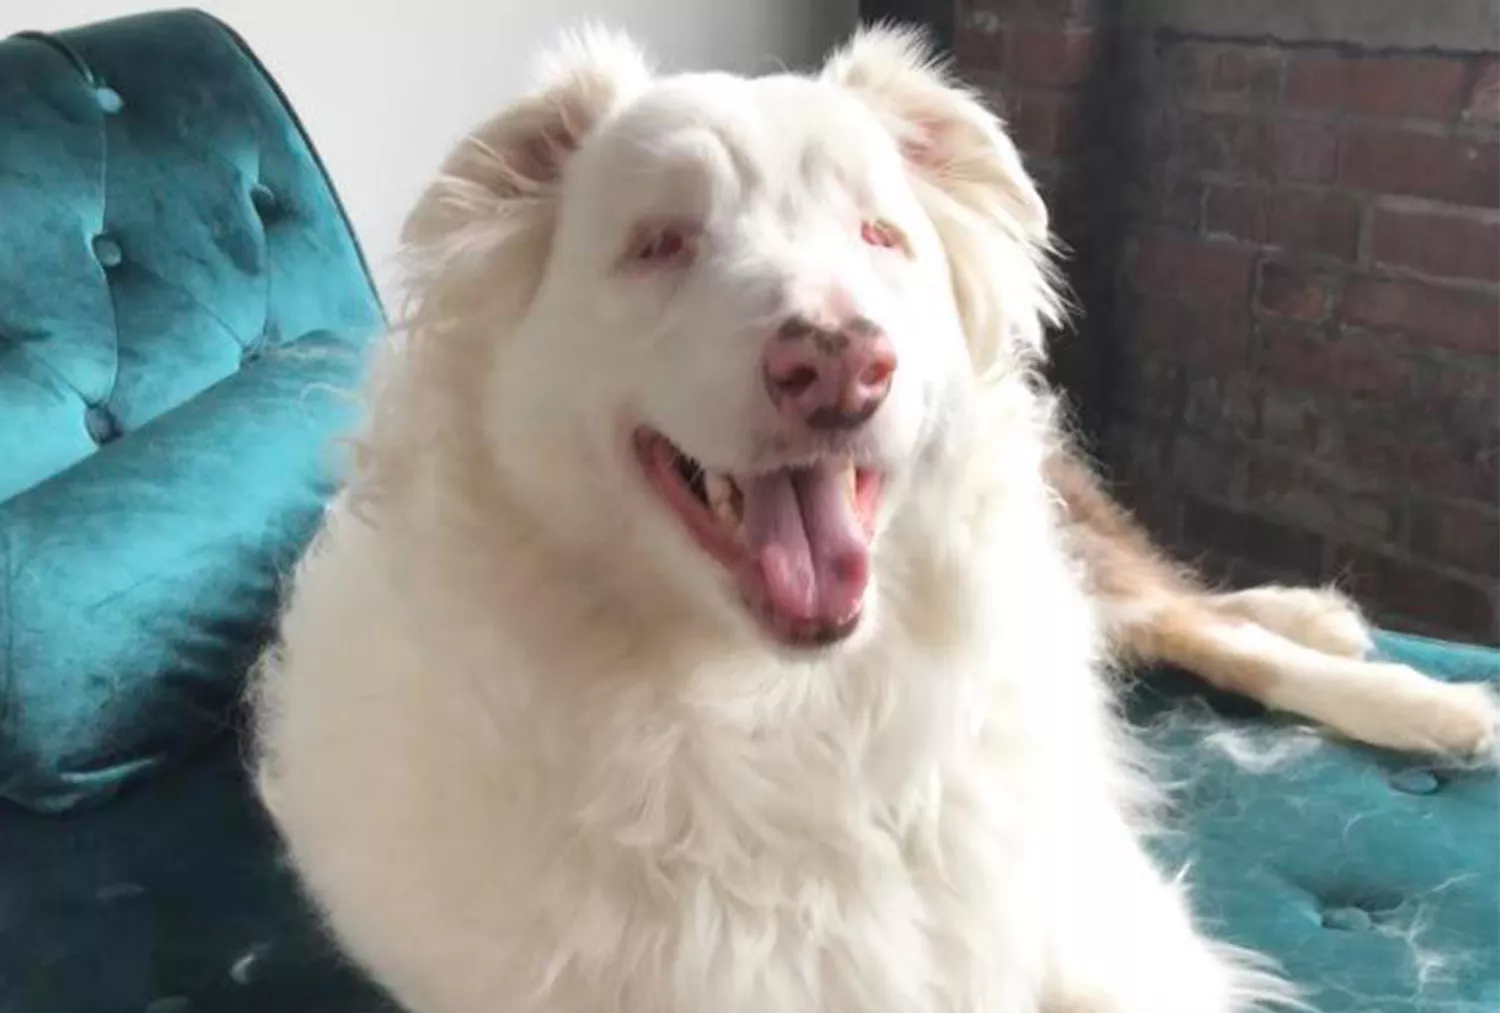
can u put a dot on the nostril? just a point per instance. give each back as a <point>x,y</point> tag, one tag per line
<point>877,374</point>
<point>798,381</point>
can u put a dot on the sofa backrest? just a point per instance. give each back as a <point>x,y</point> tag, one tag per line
<point>181,304</point>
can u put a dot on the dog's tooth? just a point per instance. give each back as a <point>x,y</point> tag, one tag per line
<point>736,503</point>
<point>719,497</point>
<point>717,487</point>
<point>850,479</point>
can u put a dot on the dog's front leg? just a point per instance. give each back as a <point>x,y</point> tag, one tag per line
<point>1121,939</point>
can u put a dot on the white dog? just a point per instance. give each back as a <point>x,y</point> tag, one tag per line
<point>698,632</point>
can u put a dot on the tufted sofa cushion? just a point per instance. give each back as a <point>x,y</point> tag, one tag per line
<point>181,301</point>
<point>1373,879</point>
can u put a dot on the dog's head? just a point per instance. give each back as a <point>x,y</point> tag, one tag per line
<point>728,321</point>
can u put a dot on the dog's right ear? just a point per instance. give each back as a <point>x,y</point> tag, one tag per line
<point>513,163</point>
<point>948,137</point>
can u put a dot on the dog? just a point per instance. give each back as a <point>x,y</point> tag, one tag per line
<point>716,618</point>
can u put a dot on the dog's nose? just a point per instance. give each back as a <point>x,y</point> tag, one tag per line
<point>829,378</point>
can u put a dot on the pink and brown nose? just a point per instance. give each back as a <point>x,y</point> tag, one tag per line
<point>829,378</point>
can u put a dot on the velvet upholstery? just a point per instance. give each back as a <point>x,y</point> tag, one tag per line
<point>163,430</point>
<point>1372,878</point>
<point>180,298</point>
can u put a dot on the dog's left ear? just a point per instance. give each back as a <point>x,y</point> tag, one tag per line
<point>949,139</point>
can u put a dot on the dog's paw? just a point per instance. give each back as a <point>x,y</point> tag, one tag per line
<point>1459,721</point>
<point>1321,618</point>
<point>1467,722</point>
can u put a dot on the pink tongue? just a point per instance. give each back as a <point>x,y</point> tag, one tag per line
<point>810,548</point>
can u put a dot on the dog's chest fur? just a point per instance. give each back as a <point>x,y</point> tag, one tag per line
<point>853,845</point>
<point>748,837</point>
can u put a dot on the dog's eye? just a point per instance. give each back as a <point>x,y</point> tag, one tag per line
<point>882,234</point>
<point>661,244</point>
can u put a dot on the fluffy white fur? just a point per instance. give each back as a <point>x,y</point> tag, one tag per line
<point>527,749</point>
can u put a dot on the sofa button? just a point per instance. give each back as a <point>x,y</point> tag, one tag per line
<point>1347,919</point>
<point>1416,782</point>
<point>107,251</point>
<point>101,425</point>
<point>264,199</point>
<point>109,100</point>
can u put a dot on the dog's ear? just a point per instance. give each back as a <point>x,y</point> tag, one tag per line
<point>513,162</point>
<point>948,137</point>
<point>968,174</point>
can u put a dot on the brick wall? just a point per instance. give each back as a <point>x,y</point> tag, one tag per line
<point>1050,67</point>
<point>1293,310</point>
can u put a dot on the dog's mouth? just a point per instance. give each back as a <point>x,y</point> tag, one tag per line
<point>797,539</point>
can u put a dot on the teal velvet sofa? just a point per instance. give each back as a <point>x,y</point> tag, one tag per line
<point>181,305</point>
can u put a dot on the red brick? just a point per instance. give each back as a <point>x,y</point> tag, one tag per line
<point>1138,451</point>
<point>1420,164</point>
<point>1147,391</point>
<point>1218,343</point>
<point>1253,71</point>
<point>1297,420</point>
<point>1351,366</point>
<point>1058,10</point>
<point>1439,243</point>
<point>1241,573</point>
<point>1465,536</point>
<point>1138,485</point>
<point>1462,321</point>
<point>1290,489</point>
<point>1219,71</point>
<point>1453,433</point>
<point>1483,104</point>
<point>1047,176</point>
<point>1211,338</point>
<point>1224,407</point>
<point>1160,136</point>
<point>1177,203</point>
<point>1376,452</point>
<point>1316,81</point>
<point>1030,11</point>
<point>1406,587</point>
<point>1044,122</point>
<point>1082,217</point>
<point>1445,470</point>
<point>1280,546</point>
<point>1465,393</point>
<point>1049,56</point>
<point>1191,64</point>
<point>1198,272</point>
<point>1295,292</point>
<point>1270,477</point>
<point>1305,152</point>
<point>979,42</point>
<point>1161,513</point>
<point>1204,465</point>
<point>1157,323</point>
<point>1405,86</point>
<point>1237,211</point>
<point>1314,221</point>
<point>1241,146</point>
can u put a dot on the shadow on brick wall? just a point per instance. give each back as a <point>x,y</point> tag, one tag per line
<point>1287,255</point>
